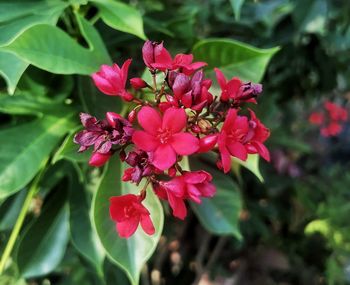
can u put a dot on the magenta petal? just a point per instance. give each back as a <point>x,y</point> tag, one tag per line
<point>124,71</point>
<point>178,206</point>
<point>220,78</point>
<point>263,151</point>
<point>230,119</point>
<point>128,227</point>
<point>238,150</point>
<point>225,155</point>
<point>103,84</point>
<point>164,157</point>
<point>174,119</point>
<point>147,225</point>
<point>194,193</point>
<point>145,141</point>
<point>149,119</point>
<point>185,143</point>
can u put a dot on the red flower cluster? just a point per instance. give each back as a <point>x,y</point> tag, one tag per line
<point>184,118</point>
<point>330,119</point>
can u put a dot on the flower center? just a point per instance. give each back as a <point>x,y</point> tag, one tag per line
<point>129,211</point>
<point>164,135</point>
<point>237,135</point>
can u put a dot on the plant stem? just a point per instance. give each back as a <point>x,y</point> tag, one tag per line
<point>16,229</point>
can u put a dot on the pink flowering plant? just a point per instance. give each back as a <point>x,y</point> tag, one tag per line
<point>182,118</point>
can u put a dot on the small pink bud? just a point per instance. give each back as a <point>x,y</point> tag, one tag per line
<point>132,116</point>
<point>172,171</point>
<point>138,83</point>
<point>98,159</point>
<point>196,129</point>
<point>207,143</point>
<point>112,118</point>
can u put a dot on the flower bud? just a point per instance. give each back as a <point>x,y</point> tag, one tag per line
<point>132,116</point>
<point>112,118</point>
<point>207,143</point>
<point>138,83</point>
<point>172,171</point>
<point>196,129</point>
<point>204,125</point>
<point>98,159</point>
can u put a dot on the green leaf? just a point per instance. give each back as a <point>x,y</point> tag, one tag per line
<point>11,69</point>
<point>18,16</point>
<point>129,254</point>
<point>43,13</point>
<point>234,58</point>
<point>121,17</point>
<point>83,237</point>
<point>220,214</point>
<point>236,7</point>
<point>51,49</point>
<point>24,103</point>
<point>252,164</point>
<point>42,246</point>
<point>69,150</point>
<point>10,209</point>
<point>25,147</point>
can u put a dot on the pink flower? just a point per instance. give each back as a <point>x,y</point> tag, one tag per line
<point>163,136</point>
<point>336,112</point>
<point>155,56</point>
<point>128,212</point>
<point>238,137</point>
<point>184,63</point>
<point>111,80</point>
<point>332,129</point>
<point>190,185</point>
<point>316,118</point>
<point>236,90</point>
<point>229,89</point>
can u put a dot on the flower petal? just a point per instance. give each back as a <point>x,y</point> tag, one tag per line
<point>145,141</point>
<point>238,150</point>
<point>185,143</point>
<point>220,78</point>
<point>230,120</point>
<point>178,206</point>
<point>164,157</point>
<point>103,84</point>
<point>128,227</point>
<point>149,119</point>
<point>225,155</point>
<point>174,119</point>
<point>147,225</point>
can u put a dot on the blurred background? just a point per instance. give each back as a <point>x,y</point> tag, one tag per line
<point>292,228</point>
